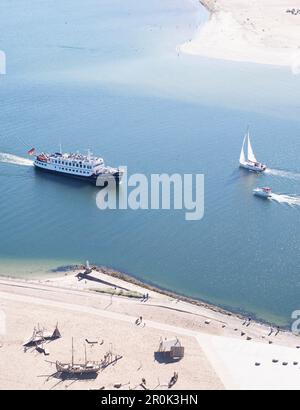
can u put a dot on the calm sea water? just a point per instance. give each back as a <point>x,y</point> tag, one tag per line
<point>107,75</point>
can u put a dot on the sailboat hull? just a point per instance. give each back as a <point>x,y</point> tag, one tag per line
<point>79,369</point>
<point>259,168</point>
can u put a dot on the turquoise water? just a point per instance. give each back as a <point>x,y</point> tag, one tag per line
<point>107,75</point>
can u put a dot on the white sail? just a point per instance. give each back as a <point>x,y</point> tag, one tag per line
<point>242,156</point>
<point>251,156</point>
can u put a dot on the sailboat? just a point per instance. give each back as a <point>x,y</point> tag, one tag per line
<point>250,162</point>
<point>86,368</point>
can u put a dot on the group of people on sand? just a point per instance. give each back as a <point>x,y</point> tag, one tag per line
<point>145,297</point>
<point>247,322</point>
<point>275,331</point>
<point>139,321</point>
<point>293,11</point>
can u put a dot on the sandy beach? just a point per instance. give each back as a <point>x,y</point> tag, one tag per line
<point>221,351</point>
<point>258,31</point>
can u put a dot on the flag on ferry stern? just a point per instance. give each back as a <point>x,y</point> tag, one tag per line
<point>31,152</point>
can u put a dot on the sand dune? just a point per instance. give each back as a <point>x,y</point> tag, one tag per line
<point>257,31</point>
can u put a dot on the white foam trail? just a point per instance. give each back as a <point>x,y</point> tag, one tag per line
<point>291,200</point>
<point>14,159</point>
<point>283,174</point>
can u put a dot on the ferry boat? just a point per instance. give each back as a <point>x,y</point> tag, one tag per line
<point>265,192</point>
<point>85,167</point>
<point>249,161</point>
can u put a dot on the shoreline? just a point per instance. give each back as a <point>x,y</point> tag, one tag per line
<point>148,286</point>
<point>254,32</point>
<point>226,311</point>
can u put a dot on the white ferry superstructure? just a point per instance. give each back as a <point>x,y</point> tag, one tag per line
<point>85,167</point>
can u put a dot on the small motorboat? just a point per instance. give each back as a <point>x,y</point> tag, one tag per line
<point>265,192</point>
<point>248,159</point>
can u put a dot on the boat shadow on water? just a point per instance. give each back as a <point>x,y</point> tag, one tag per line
<point>240,173</point>
<point>235,176</point>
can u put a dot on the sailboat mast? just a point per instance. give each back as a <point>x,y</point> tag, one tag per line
<point>72,351</point>
<point>85,356</point>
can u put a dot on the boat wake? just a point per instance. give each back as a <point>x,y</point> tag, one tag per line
<point>283,174</point>
<point>291,200</point>
<point>15,160</point>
